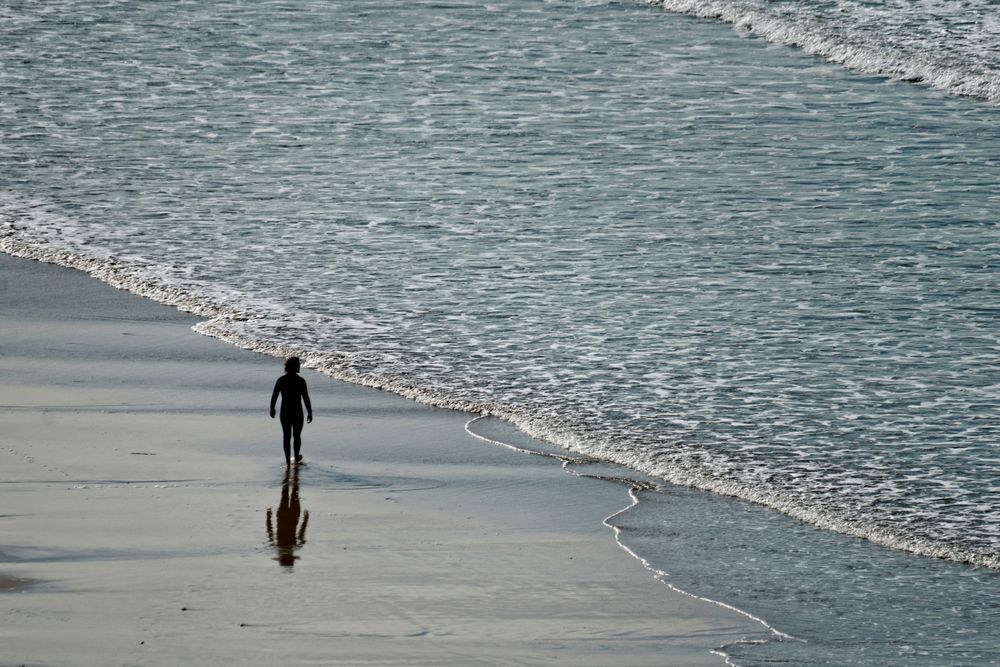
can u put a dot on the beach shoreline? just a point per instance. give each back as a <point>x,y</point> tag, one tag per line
<point>144,495</point>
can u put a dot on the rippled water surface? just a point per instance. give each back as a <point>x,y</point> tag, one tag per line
<point>643,236</point>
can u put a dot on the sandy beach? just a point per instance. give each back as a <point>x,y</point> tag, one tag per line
<point>147,518</point>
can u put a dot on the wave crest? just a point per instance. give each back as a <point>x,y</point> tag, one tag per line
<point>856,48</point>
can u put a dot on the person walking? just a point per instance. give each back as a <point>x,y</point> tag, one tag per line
<point>293,391</point>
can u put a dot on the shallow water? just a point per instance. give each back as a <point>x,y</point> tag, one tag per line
<point>643,236</point>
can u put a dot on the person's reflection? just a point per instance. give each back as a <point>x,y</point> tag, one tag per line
<point>289,536</point>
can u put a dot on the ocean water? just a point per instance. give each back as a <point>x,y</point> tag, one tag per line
<point>699,248</point>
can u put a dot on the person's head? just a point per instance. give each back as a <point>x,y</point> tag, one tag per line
<point>292,365</point>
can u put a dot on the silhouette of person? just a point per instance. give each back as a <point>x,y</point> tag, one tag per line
<point>289,536</point>
<point>293,391</point>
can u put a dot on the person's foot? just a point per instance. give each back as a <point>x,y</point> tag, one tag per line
<point>298,458</point>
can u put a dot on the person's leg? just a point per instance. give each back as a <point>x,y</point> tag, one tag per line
<point>286,439</point>
<point>297,433</point>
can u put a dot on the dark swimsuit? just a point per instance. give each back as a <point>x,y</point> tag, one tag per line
<point>294,392</point>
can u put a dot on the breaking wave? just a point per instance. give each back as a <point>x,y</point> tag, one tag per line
<point>949,46</point>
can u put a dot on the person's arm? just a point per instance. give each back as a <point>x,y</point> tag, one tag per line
<point>274,395</point>
<point>305,399</point>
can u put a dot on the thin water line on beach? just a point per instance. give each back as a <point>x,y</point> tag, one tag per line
<point>634,488</point>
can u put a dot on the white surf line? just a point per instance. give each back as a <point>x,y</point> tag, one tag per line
<point>559,457</point>
<point>633,489</point>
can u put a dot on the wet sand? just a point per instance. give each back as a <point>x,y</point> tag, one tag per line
<point>147,517</point>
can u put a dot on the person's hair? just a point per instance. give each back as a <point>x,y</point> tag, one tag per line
<point>292,365</point>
